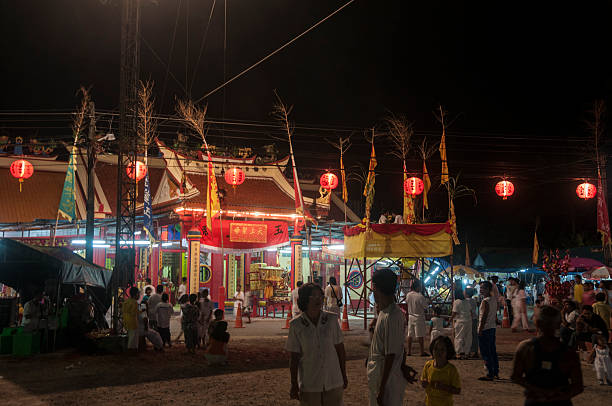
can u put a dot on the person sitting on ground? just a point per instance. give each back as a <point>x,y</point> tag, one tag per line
<point>191,313</point>
<point>163,313</point>
<point>218,316</point>
<point>217,352</point>
<point>144,332</point>
<point>602,308</point>
<point>569,316</point>
<point>548,370</point>
<point>594,325</point>
<point>129,311</point>
<point>437,325</point>
<point>602,363</point>
<point>440,378</point>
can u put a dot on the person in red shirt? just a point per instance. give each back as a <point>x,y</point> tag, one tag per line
<point>588,296</point>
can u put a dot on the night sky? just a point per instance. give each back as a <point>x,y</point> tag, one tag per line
<point>517,79</point>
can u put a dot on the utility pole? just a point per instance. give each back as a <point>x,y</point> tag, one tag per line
<point>91,163</point>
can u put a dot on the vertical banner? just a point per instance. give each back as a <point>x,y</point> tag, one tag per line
<point>67,205</point>
<point>194,265</point>
<point>148,211</point>
<point>231,276</point>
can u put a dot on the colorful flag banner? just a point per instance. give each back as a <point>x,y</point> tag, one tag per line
<point>603,221</point>
<point>368,191</point>
<point>409,216</point>
<point>342,172</point>
<point>213,206</point>
<point>453,223</point>
<point>444,175</point>
<point>536,249</point>
<point>67,205</point>
<point>148,209</point>
<point>426,186</point>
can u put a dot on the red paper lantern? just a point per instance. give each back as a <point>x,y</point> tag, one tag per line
<point>21,169</point>
<point>504,189</point>
<point>234,176</point>
<point>586,190</point>
<point>413,186</point>
<point>139,173</point>
<point>329,181</point>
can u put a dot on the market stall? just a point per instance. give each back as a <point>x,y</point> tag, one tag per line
<point>367,246</point>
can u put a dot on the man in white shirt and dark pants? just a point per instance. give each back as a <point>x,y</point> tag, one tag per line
<point>386,382</point>
<point>295,310</point>
<point>318,360</point>
<point>415,306</point>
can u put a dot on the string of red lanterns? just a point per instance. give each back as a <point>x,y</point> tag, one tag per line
<point>328,181</point>
<point>586,190</point>
<point>413,186</point>
<point>234,176</point>
<point>139,173</point>
<point>21,169</point>
<point>504,189</point>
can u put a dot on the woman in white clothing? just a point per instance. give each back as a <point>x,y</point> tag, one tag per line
<point>462,321</point>
<point>333,297</point>
<point>519,308</point>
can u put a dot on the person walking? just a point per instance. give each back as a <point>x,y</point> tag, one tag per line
<point>333,297</point>
<point>318,361</point>
<point>415,307</point>
<point>469,296</point>
<point>549,371</point>
<point>486,332</point>
<point>386,381</point>
<point>519,308</point>
<point>462,322</point>
<point>295,310</point>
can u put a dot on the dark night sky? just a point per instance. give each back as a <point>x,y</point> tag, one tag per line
<point>519,77</point>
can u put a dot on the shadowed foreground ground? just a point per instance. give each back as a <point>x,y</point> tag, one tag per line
<point>256,375</point>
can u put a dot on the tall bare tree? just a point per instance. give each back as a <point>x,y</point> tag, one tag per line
<point>147,126</point>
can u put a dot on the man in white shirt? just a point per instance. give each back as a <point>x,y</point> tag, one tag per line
<point>415,306</point>
<point>318,359</point>
<point>386,358</point>
<point>295,310</point>
<point>182,290</point>
<point>238,299</point>
<point>32,312</point>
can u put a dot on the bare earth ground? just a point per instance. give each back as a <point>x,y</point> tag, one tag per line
<point>257,374</point>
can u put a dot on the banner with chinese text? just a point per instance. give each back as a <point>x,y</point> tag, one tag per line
<point>244,236</point>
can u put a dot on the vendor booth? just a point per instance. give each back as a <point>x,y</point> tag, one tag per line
<point>64,277</point>
<point>395,245</point>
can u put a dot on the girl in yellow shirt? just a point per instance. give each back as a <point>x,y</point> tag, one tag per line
<point>440,378</point>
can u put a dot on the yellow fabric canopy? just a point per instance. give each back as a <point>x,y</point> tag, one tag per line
<point>370,244</point>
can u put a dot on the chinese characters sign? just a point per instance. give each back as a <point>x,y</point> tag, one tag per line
<point>248,232</point>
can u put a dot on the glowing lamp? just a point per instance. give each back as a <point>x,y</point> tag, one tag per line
<point>413,186</point>
<point>137,171</point>
<point>234,176</point>
<point>586,190</point>
<point>329,181</point>
<point>504,189</point>
<point>21,169</point>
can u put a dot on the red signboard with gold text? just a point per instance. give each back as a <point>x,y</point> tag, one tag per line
<point>247,232</point>
<point>232,236</point>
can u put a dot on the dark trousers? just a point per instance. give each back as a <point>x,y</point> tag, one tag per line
<point>474,348</point>
<point>165,334</point>
<point>510,312</point>
<point>488,351</point>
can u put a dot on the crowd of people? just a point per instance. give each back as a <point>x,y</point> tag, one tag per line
<point>547,365</point>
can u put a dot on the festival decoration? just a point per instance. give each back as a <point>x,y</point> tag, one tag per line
<point>234,176</point>
<point>329,181</point>
<point>586,190</point>
<point>556,266</point>
<point>21,169</point>
<point>413,186</point>
<point>138,173</point>
<point>504,189</point>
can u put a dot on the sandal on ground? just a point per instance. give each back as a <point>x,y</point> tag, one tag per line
<point>486,378</point>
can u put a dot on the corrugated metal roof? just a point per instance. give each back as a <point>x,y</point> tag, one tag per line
<point>38,200</point>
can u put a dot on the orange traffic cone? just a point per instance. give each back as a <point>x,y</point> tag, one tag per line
<point>506,319</point>
<point>238,323</point>
<point>289,317</point>
<point>345,325</point>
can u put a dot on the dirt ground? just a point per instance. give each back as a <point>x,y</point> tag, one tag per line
<point>257,374</point>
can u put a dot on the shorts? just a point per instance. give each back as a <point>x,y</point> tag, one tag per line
<point>416,327</point>
<point>132,343</point>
